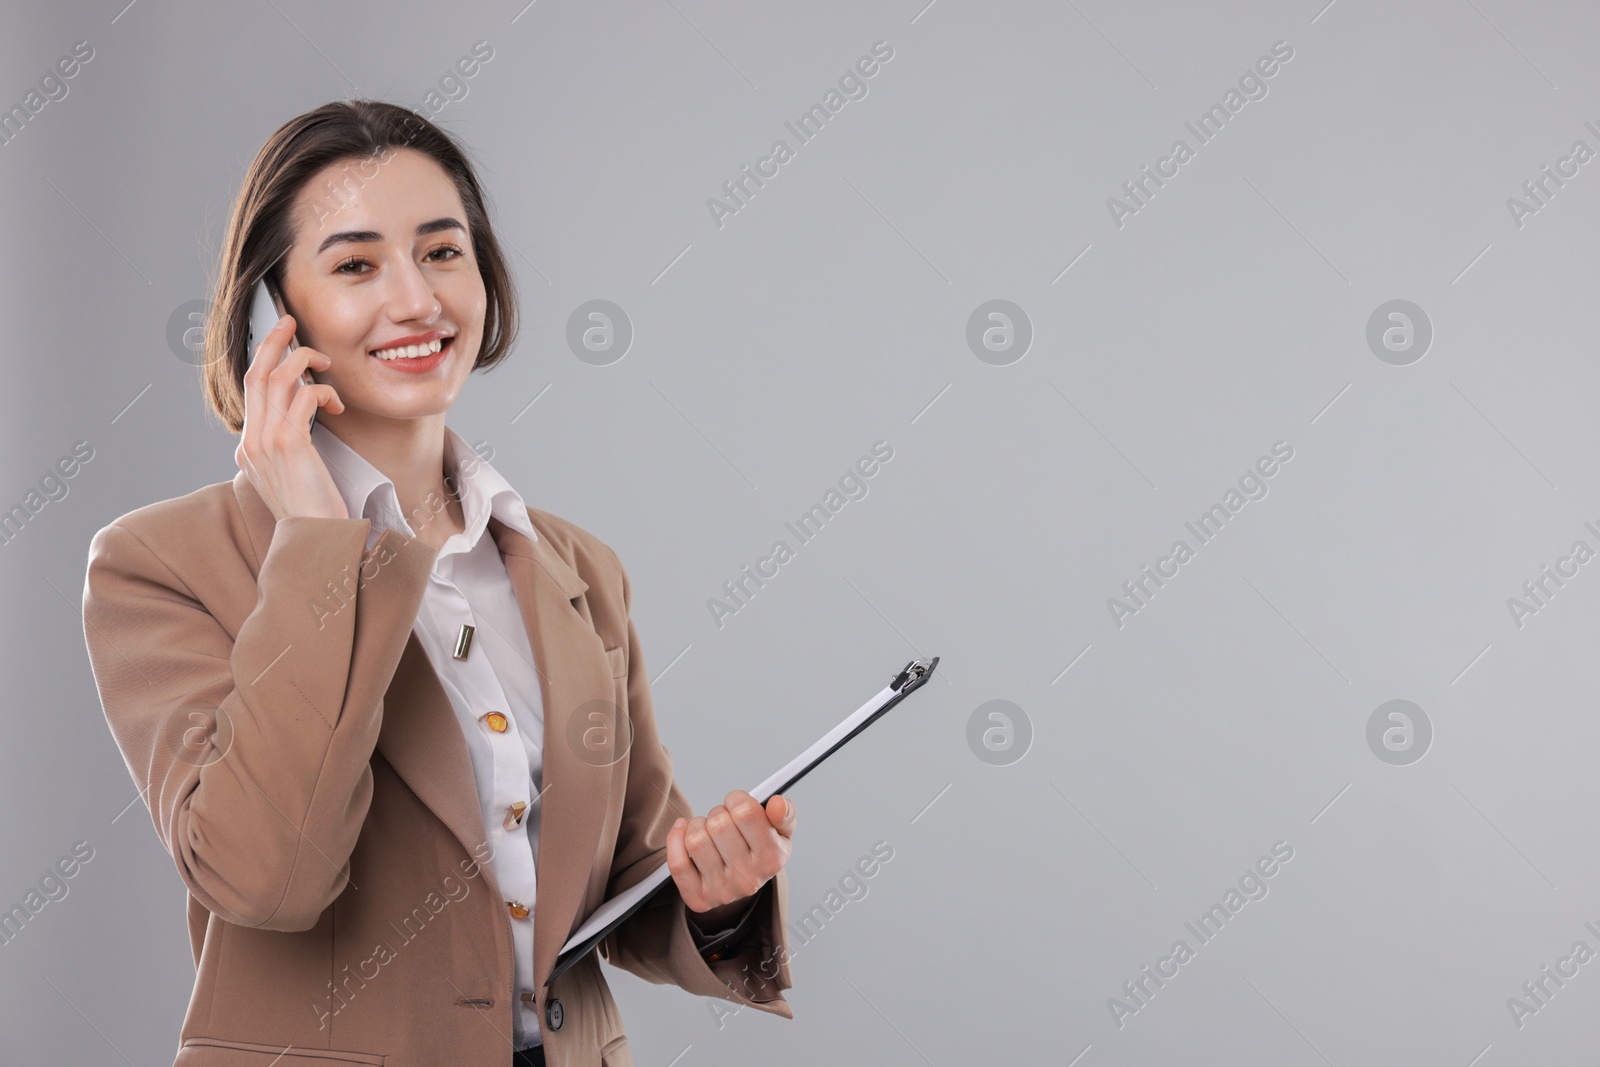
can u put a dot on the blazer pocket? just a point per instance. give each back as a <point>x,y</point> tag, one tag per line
<point>612,740</point>
<point>218,1052</point>
<point>616,1053</point>
<point>618,658</point>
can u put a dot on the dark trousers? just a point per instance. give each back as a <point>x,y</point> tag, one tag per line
<point>528,1057</point>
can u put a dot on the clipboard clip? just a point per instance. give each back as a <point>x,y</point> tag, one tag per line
<point>915,673</point>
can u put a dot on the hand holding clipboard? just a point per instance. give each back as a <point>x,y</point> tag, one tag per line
<point>608,916</point>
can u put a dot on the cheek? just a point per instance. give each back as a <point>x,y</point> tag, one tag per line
<point>471,321</point>
<point>340,331</point>
<point>463,368</point>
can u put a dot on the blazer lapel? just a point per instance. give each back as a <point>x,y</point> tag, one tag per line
<point>573,670</point>
<point>421,738</point>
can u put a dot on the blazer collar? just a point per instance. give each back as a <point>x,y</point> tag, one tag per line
<point>421,737</point>
<point>369,493</point>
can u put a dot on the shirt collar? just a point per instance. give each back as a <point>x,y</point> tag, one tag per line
<point>369,493</point>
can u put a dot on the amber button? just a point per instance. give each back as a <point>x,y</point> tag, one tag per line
<point>518,911</point>
<point>527,998</point>
<point>514,815</point>
<point>497,722</point>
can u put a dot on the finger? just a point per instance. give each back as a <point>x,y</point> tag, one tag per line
<point>729,833</point>
<point>263,359</point>
<point>268,350</point>
<point>242,458</point>
<point>759,852</point>
<point>283,388</point>
<point>271,344</point>
<point>773,832</point>
<point>690,885</point>
<point>751,820</point>
<point>781,814</point>
<point>309,398</point>
<point>703,850</point>
<point>255,383</point>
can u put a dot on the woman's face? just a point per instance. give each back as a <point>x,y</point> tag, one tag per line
<point>387,259</point>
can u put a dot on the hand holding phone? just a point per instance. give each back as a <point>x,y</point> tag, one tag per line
<point>265,311</point>
<point>286,469</point>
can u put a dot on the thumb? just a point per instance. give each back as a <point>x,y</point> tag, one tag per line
<point>781,813</point>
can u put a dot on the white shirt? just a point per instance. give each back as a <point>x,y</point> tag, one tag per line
<point>469,585</point>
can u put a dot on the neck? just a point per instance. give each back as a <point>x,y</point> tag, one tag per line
<point>410,453</point>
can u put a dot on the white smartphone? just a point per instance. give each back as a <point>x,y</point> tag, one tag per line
<point>265,311</point>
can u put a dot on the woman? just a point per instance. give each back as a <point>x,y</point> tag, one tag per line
<point>392,724</point>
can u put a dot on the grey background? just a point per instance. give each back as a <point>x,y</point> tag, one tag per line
<point>769,354</point>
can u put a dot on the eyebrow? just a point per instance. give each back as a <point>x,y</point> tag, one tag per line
<point>368,236</point>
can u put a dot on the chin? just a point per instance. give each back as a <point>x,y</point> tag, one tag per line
<point>393,408</point>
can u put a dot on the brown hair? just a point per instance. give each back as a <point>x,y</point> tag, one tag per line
<point>261,229</point>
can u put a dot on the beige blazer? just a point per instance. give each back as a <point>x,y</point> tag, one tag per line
<point>304,768</point>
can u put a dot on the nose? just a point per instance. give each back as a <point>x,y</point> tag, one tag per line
<point>412,296</point>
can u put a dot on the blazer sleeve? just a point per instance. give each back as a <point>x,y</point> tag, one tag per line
<point>252,751</point>
<point>657,942</point>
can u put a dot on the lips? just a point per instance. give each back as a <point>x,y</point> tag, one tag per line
<point>418,350</point>
<point>422,363</point>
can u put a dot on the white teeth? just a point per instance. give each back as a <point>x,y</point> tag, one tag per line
<point>410,351</point>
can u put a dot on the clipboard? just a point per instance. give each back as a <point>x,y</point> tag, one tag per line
<point>611,914</point>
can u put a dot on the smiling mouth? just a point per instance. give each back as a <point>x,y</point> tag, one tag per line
<point>421,351</point>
